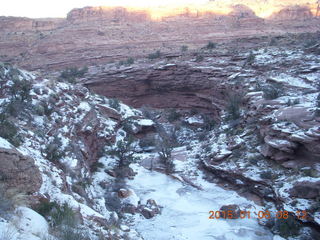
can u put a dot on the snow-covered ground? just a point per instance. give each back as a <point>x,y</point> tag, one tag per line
<point>185,213</point>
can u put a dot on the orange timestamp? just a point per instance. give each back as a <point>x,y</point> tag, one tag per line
<point>229,214</point>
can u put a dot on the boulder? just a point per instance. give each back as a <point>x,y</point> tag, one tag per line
<point>19,172</point>
<point>235,209</point>
<point>307,190</point>
<point>124,193</point>
<point>147,212</point>
<point>150,209</point>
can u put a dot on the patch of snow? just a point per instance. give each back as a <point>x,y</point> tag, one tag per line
<point>84,106</point>
<point>5,144</point>
<point>145,122</point>
<point>194,120</point>
<point>292,81</point>
<point>186,210</point>
<point>29,221</point>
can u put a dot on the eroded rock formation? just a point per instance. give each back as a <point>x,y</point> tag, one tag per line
<point>19,172</point>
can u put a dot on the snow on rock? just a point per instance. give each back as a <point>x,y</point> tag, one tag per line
<point>291,81</point>
<point>30,222</point>
<point>84,106</point>
<point>5,144</point>
<point>277,237</point>
<point>194,120</point>
<point>145,122</point>
<point>132,199</point>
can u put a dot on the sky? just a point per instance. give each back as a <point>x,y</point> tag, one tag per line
<point>60,8</point>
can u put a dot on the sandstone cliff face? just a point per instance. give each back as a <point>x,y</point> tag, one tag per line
<point>293,13</point>
<point>98,35</point>
<point>107,14</point>
<point>17,24</point>
<point>165,86</point>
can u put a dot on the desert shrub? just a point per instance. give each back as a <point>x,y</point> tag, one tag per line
<point>20,89</point>
<point>211,45</point>
<point>9,131</point>
<point>287,227</point>
<point>53,150</point>
<point>130,61</point>
<point>48,110</point>
<point>95,166</point>
<point>292,103</point>
<point>250,59</point>
<point>272,91</point>
<point>266,175</point>
<point>38,109</point>
<point>15,107</point>
<point>6,205</point>
<point>199,58</point>
<point>68,233</point>
<point>310,43</point>
<point>154,55</point>
<point>253,161</point>
<point>44,208</point>
<point>71,74</point>
<point>209,123</point>
<point>147,142</point>
<point>202,136</point>
<point>173,115</point>
<point>273,42</point>
<point>63,215</point>
<point>184,48</point>
<point>129,125</point>
<point>318,101</point>
<point>13,73</point>
<point>56,214</point>
<point>114,103</point>
<point>233,107</point>
<point>194,111</point>
<point>164,152</point>
<point>310,172</point>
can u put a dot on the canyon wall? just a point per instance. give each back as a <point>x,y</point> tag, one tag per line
<point>94,35</point>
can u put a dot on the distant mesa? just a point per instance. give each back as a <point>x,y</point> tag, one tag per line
<point>242,11</point>
<point>296,12</point>
<point>113,14</point>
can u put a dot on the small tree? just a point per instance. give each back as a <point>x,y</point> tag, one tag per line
<point>250,59</point>
<point>20,90</point>
<point>115,104</point>
<point>173,115</point>
<point>211,45</point>
<point>184,48</point>
<point>199,58</point>
<point>124,151</point>
<point>233,107</point>
<point>9,131</point>
<point>71,74</point>
<point>209,123</point>
<point>130,61</point>
<point>53,150</point>
<point>154,55</point>
<point>317,112</point>
<point>164,152</point>
<point>272,91</point>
